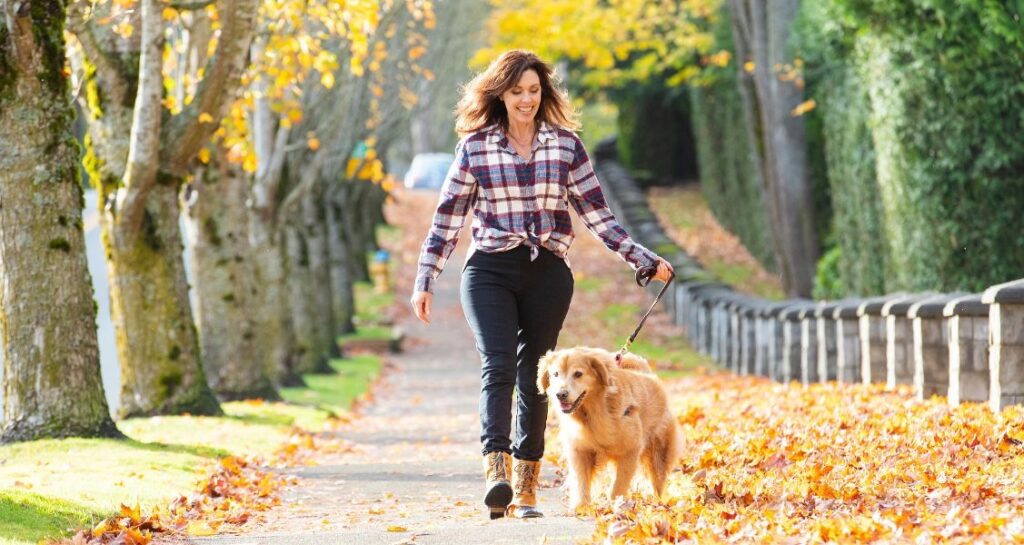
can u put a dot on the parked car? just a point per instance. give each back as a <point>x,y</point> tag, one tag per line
<point>428,170</point>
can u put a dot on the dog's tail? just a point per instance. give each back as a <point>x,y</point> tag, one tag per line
<point>634,363</point>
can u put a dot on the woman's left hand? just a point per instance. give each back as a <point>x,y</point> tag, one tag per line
<point>665,270</point>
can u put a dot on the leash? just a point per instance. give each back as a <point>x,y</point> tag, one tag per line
<point>644,275</point>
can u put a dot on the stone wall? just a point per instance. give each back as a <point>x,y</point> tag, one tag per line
<point>968,347</point>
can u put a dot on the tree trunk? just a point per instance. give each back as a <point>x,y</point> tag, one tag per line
<point>352,229</point>
<point>51,379</point>
<point>226,285</point>
<point>155,332</point>
<point>321,301</point>
<point>761,37</point>
<point>139,177</point>
<point>275,340</point>
<point>342,295</point>
<point>308,357</point>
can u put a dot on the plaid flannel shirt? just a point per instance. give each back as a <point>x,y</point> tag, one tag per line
<point>520,202</point>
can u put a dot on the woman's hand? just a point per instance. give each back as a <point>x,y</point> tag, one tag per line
<point>421,301</point>
<point>665,270</point>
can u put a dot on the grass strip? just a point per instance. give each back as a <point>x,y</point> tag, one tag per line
<point>50,488</point>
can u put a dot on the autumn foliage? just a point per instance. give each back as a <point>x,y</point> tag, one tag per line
<point>230,494</point>
<point>775,463</point>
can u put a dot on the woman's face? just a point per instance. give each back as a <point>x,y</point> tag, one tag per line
<point>523,100</point>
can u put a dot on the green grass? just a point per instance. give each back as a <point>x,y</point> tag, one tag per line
<point>49,488</point>
<point>27,518</point>
<point>587,284</point>
<point>371,307</point>
<point>734,274</point>
<point>672,356</point>
<point>367,333</point>
<point>617,313</point>
<point>336,392</point>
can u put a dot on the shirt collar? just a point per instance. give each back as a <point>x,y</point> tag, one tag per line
<point>496,136</point>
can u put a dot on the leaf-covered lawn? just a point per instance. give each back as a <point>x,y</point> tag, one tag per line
<point>49,488</point>
<point>684,213</point>
<point>771,463</point>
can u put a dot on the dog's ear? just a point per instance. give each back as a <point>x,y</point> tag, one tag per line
<point>600,369</point>
<point>542,371</point>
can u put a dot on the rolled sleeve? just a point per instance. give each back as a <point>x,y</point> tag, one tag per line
<point>458,194</point>
<point>588,200</point>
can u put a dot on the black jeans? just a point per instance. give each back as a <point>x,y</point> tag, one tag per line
<point>515,308</point>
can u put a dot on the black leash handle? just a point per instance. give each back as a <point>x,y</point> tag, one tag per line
<point>644,275</point>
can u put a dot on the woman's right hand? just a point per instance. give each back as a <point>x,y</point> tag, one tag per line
<point>421,301</point>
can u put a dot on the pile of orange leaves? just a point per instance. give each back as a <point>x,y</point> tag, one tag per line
<point>770,463</point>
<point>237,488</point>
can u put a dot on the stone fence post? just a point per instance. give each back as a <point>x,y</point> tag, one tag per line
<point>968,349</point>
<point>809,344</point>
<point>872,338</point>
<point>1006,346</point>
<point>769,339</point>
<point>789,321</point>
<point>828,345</point>
<point>899,339</point>
<point>930,340</point>
<point>747,308</point>
<point>698,313</point>
<point>848,343</point>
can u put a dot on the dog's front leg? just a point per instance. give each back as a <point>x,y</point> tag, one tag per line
<point>582,464</point>
<point>625,468</point>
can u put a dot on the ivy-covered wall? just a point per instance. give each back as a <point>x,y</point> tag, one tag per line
<point>922,132</point>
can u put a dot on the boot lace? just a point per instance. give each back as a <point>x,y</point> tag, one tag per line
<point>527,480</point>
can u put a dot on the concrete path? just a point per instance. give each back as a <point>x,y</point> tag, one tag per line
<point>416,476</point>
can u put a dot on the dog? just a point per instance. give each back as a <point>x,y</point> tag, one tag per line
<point>609,411</point>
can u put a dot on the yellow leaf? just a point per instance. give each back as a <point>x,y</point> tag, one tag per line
<point>198,528</point>
<point>313,143</point>
<point>397,529</point>
<point>417,52</point>
<point>131,512</point>
<point>749,67</point>
<point>804,107</point>
<point>357,68</point>
<point>101,528</point>
<point>204,155</point>
<point>250,163</point>
<point>205,118</point>
<point>327,79</point>
<point>170,14</point>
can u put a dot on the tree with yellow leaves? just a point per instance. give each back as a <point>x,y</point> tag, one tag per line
<point>138,154</point>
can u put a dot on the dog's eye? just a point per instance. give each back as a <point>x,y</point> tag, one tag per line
<point>577,374</point>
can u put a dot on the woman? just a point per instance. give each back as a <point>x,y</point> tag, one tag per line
<point>519,165</point>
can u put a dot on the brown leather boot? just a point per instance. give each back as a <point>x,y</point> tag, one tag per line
<point>498,473</point>
<point>525,476</point>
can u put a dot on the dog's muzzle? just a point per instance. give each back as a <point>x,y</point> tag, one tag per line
<point>568,408</point>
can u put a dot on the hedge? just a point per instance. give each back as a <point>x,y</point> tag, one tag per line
<point>924,95</point>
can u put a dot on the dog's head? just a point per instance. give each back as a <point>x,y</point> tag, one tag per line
<point>569,376</point>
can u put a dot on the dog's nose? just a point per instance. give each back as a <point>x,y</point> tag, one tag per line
<point>562,396</point>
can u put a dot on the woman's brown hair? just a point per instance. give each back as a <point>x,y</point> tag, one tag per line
<point>481,105</point>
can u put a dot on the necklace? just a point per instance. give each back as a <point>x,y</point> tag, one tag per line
<point>523,149</point>
<point>520,142</point>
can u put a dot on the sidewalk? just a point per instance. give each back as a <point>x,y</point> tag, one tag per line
<point>416,474</point>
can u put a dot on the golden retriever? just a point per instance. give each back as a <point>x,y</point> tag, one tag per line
<point>609,412</point>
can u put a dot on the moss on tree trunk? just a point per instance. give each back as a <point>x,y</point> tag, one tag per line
<point>51,382</point>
